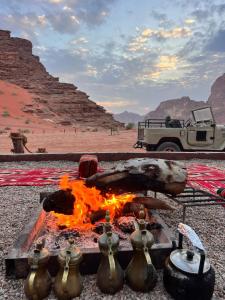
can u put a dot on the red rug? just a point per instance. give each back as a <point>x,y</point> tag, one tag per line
<point>36,177</point>
<point>199,176</point>
<point>206,178</point>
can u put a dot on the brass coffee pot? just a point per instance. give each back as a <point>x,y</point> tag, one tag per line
<point>68,283</point>
<point>38,283</point>
<point>110,276</point>
<point>140,273</point>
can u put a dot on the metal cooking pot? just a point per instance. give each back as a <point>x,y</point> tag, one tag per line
<point>188,274</point>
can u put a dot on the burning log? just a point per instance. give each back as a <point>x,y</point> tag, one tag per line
<point>60,202</point>
<point>134,175</point>
<point>153,203</point>
<point>134,207</point>
<point>97,215</point>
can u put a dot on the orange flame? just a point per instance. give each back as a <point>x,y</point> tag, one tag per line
<point>88,200</point>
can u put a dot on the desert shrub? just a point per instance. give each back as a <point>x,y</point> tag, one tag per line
<point>27,121</point>
<point>5,113</point>
<point>94,129</point>
<point>1,92</point>
<point>130,126</point>
<point>14,94</point>
<point>7,128</point>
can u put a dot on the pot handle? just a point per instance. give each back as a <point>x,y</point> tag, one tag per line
<point>66,272</point>
<point>112,265</point>
<point>31,279</point>
<point>180,241</point>
<point>202,262</point>
<point>202,254</point>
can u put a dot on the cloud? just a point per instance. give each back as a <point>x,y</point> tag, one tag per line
<point>140,41</point>
<point>60,61</point>
<point>64,16</point>
<point>163,69</point>
<point>56,1</point>
<point>79,41</point>
<point>167,63</point>
<point>117,102</point>
<point>189,21</point>
<point>65,22</point>
<point>217,42</point>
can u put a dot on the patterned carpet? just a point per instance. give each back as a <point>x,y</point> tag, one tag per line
<point>199,176</point>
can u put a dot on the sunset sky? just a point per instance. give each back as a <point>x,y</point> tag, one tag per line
<point>126,54</point>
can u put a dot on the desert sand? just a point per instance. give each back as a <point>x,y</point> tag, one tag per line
<point>13,99</point>
<point>56,141</point>
<point>46,134</point>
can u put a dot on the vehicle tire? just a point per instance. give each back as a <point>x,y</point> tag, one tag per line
<point>148,148</point>
<point>169,147</point>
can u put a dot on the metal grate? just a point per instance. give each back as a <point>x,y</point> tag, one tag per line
<point>193,197</point>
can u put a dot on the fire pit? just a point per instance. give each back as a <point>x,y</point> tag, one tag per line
<point>79,207</point>
<point>44,225</point>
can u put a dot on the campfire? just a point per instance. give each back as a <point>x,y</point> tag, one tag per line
<point>89,205</point>
<point>81,204</point>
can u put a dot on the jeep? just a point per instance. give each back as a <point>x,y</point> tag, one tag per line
<point>199,133</point>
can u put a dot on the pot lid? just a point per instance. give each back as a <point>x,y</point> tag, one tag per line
<point>39,254</point>
<point>72,251</point>
<point>188,261</point>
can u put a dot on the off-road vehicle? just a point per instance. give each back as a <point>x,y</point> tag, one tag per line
<point>200,133</point>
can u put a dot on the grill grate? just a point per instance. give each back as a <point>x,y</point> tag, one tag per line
<point>191,197</point>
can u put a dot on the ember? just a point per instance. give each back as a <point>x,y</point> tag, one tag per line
<point>87,202</point>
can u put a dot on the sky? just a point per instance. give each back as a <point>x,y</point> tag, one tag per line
<point>125,54</point>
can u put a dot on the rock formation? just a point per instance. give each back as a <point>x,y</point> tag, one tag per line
<point>128,117</point>
<point>61,102</point>
<point>180,108</point>
<point>176,108</point>
<point>217,98</point>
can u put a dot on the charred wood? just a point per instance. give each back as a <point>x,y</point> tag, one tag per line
<point>153,203</point>
<point>97,215</point>
<point>61,202</point>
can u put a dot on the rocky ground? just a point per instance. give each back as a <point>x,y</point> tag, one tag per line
<point>18,203</point>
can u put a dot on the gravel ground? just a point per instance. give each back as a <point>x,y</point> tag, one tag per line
<point>18,203</point>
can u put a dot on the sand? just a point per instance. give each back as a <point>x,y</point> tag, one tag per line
<point>56,141</point>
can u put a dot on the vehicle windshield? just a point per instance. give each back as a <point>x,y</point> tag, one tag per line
<point>203,115</point>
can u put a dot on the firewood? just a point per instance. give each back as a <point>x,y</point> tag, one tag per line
<point>97,215</point>
<point>61,202</point>
<point>134,175</point>
<point>132,208</point>
<point>153,203</point>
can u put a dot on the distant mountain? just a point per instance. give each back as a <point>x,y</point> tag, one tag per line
<point>176,108</point>
<point>128,117</point>
<point>217,98</point>
<point>180,108</point>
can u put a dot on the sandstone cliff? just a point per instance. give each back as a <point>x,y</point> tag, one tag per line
<point>61,102</point>
<point>176,108</point>
<point>217,98</point>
